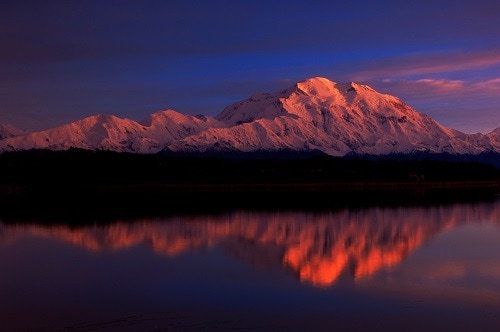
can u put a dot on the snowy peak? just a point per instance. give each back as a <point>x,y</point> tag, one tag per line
<point>313,114</point>
<point>309,99</point>
<point>160,117</point>
<point>336,118</point>
<point>99,131</point>
<point>270,106</point>
<point>7,130</point>
<point>495,134</point>
<point>317,86</point>
<point>258,106</point>
<point>323,88</point>
<point>166,117</point>
<point>108,132</point>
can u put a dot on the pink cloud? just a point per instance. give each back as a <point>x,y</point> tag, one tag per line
<point>424,89</point>
<point>492,85</point>
<point>428,64</point>
<point>441,88</point>
<point>442,84</point>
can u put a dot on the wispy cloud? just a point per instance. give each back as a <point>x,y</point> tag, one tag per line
<point>431,88</point>
<point>492,85</point>
<point>426,64</point>
<point>442,84</point>
<point>424,88</point>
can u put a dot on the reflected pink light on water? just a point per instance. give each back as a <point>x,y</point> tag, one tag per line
<point>318,247</point>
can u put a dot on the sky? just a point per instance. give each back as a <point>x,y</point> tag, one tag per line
<point>63,60</point>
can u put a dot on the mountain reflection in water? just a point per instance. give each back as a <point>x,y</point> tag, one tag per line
<point>317,247</point>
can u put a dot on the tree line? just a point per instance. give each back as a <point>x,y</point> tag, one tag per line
<point>76,166</point>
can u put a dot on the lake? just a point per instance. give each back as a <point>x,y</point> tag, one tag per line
<point>430,267</point>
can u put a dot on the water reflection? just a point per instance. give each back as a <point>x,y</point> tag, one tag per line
<point>316,247</point>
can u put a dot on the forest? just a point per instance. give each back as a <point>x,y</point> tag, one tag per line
<point>76,167</point>
<point>93,185</point>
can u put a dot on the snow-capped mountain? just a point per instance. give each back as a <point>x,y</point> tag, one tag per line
<point>315,114</point>
<point>334,118</point>
<point>8,130</point>
<point>108,132</point>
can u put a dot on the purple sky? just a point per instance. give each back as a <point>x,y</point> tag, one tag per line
<point>62,60</point>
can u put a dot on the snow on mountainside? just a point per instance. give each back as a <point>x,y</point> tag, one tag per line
<point>315,114</point>
<point>8,130</point>
<point>108,132</point>
<point>335,118</point>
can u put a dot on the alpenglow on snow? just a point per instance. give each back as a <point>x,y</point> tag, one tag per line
<point>314,114</point>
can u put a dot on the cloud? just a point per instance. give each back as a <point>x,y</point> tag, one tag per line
<point>492,85</point>
<point>432,88</point>
<point>426,64</point>
<point>424,88</point>
<point>442,83</point>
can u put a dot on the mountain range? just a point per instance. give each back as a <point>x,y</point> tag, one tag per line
<point>312,115</point>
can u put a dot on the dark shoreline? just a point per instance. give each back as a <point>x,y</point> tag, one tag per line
<point>89,186</point>
<point>299,187</point>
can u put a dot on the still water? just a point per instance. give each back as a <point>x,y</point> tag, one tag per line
<point>406,268</point>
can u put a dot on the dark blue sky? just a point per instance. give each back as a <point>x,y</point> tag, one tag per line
<point>62,60</point>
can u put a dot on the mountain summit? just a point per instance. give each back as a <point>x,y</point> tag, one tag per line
<point>334,118</point>
<point>314,114</point>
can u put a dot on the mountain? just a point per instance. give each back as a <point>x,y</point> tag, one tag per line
<point>8,130</point>
<point>313,115</point>
<point>338,119</point>
<point>108,132</point>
